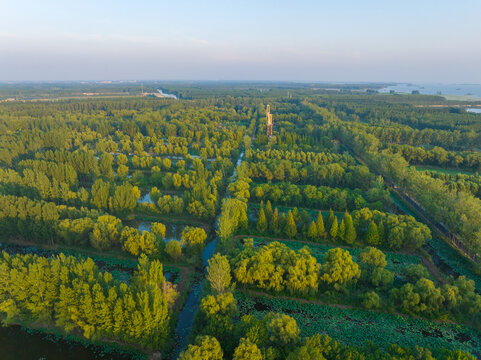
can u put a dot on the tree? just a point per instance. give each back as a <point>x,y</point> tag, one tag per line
<point>349,232</point>
<point>422,298</point>
<point>173,249</point>
<point>125,198</point>
<point>261,221</point>
<point>339,268</point>
<point>382,233</point>
<point>290,227</point>
<point>105,165</point>
<point>333,229</point>
<point>247,350</point>
<point>231,214</point>
<point>122,171</point>
<point>274,224</point>
<point>193,238</point>
<point>312,231</point>
<point>330,219</point>
<point>373,263</point>
<point>370,300</point>
<point>136,243</point>
<point>158,229</point>
<point>221,304</point>
<point>372,234</point>
<point>205,348</point>
<point>218,273</point>
<point>320,226</point>
<point>106,232</point>
<point>283,329</point>
<point>268,211</point>
<point>100,194</point>
<point>415,272</point>
<point>122,159</point>
<point>341,231</point>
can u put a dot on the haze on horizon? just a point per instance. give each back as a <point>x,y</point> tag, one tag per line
<point>347,40</point>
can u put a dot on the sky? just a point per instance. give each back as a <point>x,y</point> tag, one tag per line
<point>421,41</point>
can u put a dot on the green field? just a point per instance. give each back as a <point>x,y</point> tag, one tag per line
<point>355,327</point>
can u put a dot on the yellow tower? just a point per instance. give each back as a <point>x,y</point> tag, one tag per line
<point>269,121</point>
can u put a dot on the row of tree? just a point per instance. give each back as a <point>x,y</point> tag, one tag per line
<point>373,228</point>
<point>74,296</point>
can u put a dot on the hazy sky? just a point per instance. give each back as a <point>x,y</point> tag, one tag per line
<point>300,40</point>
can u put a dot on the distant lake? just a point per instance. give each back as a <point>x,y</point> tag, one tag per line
<point>170,96</point>
<point>437,89</point>
<point>474,110</point>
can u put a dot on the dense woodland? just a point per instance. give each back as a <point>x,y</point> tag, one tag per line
<point>336,216</point>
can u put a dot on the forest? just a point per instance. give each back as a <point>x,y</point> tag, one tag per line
<point>178,229</point>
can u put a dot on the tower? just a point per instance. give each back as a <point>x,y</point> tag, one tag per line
<point>269,121</point>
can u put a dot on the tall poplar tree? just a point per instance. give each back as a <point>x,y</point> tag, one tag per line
<point>290,228</point>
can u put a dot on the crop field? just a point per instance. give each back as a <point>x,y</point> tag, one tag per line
<point>356,326</point>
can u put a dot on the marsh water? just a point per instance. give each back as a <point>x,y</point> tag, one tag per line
<point>474,110</point>
<point>473,90</point>
<point>172,231</point>
<point>17,343</point>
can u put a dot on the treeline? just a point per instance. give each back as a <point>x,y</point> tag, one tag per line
<point>459,211</point>
<point>74,296</point>
<point>277,269</point>
<point>258,155</point>
<point>438,156</point>
<point>374,228</point>
<point>459,182</point>
<point>336,174</point>
<point>45,222</point>
<point>321,197</point>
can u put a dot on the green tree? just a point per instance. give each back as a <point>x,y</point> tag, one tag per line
<point>158,229</point>
<point>233,210</point>
<point>382,233</point>
<point>312,231</point>
<point>105,165</point>
<point>290,227</point>
<point>106,232</point>
<point>194,238</point>
<point>204,348</point>
<point>350,231</point>
<point>320,226</point>
<point>221,304</point>
<point>247,350</point>
<point>372,234</point>
<point>218,273</point>
<point>333,229</point>
<point>330,219</point>
<point>370,300</point>
<point>261,221</point>
<point>122,171</point>
<point>339,268</point>
<point>268,211</point>
<point>373,263</point>
<point>283,329</point>
<point>174,250</point>
<point>100,194</point>
<point>125,198</point>
<point>341,230</point>
<point>274,224</point>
